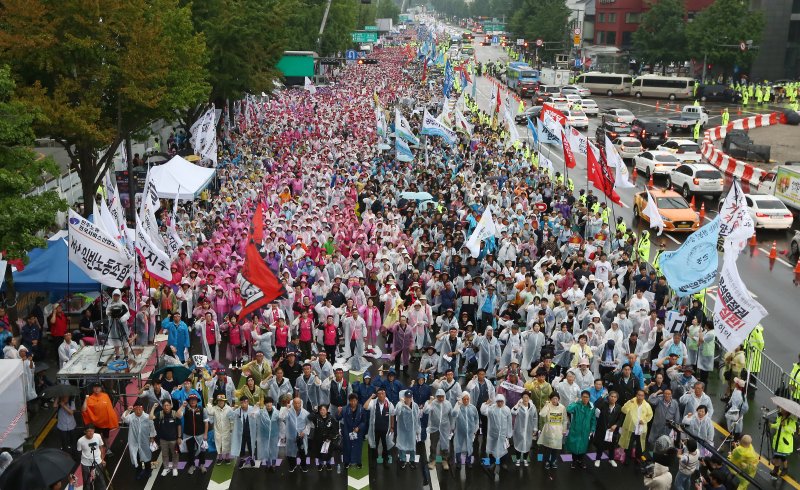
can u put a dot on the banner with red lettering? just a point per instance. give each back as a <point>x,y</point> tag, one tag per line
<point>258,284</point>
<point>736,313</point>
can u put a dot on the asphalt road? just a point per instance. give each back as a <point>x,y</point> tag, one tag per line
<point>773,285</point>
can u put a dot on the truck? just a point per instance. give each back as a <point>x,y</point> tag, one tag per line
<point>688,117</point>
<point>549,76</point>
<point>784,183</point>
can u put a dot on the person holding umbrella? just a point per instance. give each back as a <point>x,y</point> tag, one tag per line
<point>66,424</point>
<point>783,429</point>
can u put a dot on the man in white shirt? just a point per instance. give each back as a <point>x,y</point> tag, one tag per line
<point>66,350</point>
<point>602,268</point>
<point>93,457</point>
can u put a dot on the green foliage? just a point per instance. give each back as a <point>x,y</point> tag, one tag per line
<point>21,169</point>
<point>716,32</point>
<point>545,19</point>
<point>661,37</point>
<point>387,9</point>
<point>99,69</point>
<point>242,51</point>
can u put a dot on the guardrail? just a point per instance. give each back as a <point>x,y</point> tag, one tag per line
<point>68,186</point>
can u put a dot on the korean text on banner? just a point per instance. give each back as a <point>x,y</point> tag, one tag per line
<point>96,253</point>
<point>486,228</point>
<point>736,313</point>
<point>693,267</point>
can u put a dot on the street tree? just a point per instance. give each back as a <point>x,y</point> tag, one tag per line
<point>98,70</point>
<point>541,19</point>
<point>716,32</point>
<point>22,215</point>
<point>661,36</point>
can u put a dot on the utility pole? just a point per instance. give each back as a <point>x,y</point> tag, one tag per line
<point>322,26</point>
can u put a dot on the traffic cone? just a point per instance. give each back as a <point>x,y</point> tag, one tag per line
<point>702,212</point>
<point>797,267</point>
<point>633,174</point>
<point>773,252</point>
<point>650,182</point>
<point>692,204</point>
<point>753,241</point>
<point>657,106</point>
<point>739,111</point>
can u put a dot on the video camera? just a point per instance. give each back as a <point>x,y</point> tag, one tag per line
<point>117,311</point>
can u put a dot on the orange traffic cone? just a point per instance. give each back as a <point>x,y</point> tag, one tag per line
<point>753,241</point>
<point>650,182</point>
<point>797,267</point>
<point>773,252</point>
<point>702,212</point>
<point>657,105</point>
<point>633,175</point>
<point>739,111</point>
<point>692,204</point>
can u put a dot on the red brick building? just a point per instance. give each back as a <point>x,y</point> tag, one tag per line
<point>615,21</point>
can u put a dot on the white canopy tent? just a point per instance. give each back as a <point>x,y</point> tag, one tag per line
<point>180,179</point>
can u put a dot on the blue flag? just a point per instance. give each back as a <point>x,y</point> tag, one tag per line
<point>693,267</point>
<point>403,151</point>
<point>534,132</point>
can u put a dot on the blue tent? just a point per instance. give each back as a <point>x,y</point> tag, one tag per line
<point>51,271</point>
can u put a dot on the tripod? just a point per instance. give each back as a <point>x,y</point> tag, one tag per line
<point>118,331</point>
<point>95,478</point>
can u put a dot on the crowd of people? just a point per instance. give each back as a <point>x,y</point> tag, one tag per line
<point>551,340</point>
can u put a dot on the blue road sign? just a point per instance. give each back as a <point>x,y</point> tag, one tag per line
<point>362,54</point>
<point>351,54</point>
<point>495,40</point>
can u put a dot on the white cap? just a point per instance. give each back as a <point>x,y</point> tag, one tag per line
<point>499,398</point>
<point>116,292</point>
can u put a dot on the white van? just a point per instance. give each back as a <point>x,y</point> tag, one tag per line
<point>668,87</point>
<point>606,83</point>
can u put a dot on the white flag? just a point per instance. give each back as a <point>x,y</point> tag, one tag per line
<point>651,211</point>
<point>204,135</point>
<point>484,229</point>
<point>737,224</point>
<point>156,261</point>
<point>96,253</point>
<point>309,85</point>
<point>612,156</point>
<point>736,313</point>
<point>463,124</point>
<point>550,130</point>
<point>513,133</point>
<point>432,127</point>
<point>577,141</point>
<point>621,178</point>
<point>546,164</point>
<point>402,129</point>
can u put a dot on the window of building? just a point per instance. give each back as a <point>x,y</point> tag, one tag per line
<point>601,37</point>
<point>601,17</point>
<point>611,38</point>
<point>612,18</point>
<point>796,7</point>
<point>627,39</point>
<point>633,17</point>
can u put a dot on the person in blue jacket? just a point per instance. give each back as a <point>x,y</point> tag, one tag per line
<point>177,335</point>
<point>392,385</point>
<point>364,389</point>
<point>422,392</point>
<point>354,428</point>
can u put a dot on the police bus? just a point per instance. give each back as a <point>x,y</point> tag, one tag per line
<point>606,83</point>
<point>658,86</point>
<point>520,75</point>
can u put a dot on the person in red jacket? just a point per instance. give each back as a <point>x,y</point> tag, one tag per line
<point>59,324</point>
<point>330,337</point>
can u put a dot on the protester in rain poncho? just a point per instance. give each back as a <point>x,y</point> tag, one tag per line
<point>407,417</point>
<point>466,425</point>
<point>526,427</point>
<point>499,428</point>
<point>141,433</point>
<point>270,427</point>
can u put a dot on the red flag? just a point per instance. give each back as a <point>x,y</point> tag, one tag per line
<point>424,69</point>
<point>497,105</point>
<point>258,284</point>
<point>600,175</point>
<point>258,224</point>
<point>559,116</point>
<point>569,158</point>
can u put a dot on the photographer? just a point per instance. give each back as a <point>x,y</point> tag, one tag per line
<point>657,477</point>
<point>119,314</point>
<point>93,458</point>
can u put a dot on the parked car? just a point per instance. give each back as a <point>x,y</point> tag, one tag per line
<point>699,179</point>
<point>673,208</point>
<point>619,115</point>
<point>684,150</point>
<point>589,106</point>
<point>576,89</point>
<point>627,147</point>
<point>559,103</point>
<point>531,112</point>
<point>650,131</point>
<point>768,212</point>
<point>572,99</point>
<point>545,91</point>
<point>718,93</point>
<point>655,162</point>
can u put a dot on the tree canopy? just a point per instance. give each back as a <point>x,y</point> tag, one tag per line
<point>717,31</point>
<point>22,216</point>
<point>100,69</point>
<point>661,37</point>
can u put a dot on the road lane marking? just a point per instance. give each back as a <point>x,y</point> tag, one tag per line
<point>787,264</point>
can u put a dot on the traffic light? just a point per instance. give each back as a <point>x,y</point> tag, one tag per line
<point>710,66</point>
<point>526,45</point>
<point>367,61</point>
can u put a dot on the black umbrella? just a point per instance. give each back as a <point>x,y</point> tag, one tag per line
<point>40,366</point>
<point>59,390</point>
<point>39,469</point>
<point>179,372</point>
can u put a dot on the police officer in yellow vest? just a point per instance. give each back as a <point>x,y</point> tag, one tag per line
<point>784,430</point>
<point>753,347</point>
<point>725,117</point>
<point>697,128</point>
<point>794,381</point>
<point>643,249</point>
<point>621,226</point>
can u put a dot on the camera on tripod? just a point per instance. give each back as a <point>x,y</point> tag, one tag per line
<point>117,311</point>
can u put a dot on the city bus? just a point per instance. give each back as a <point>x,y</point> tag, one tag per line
<point>659,86</point>
<point>467,50</point>
<point>519,75</point>
<point>606,83</point>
